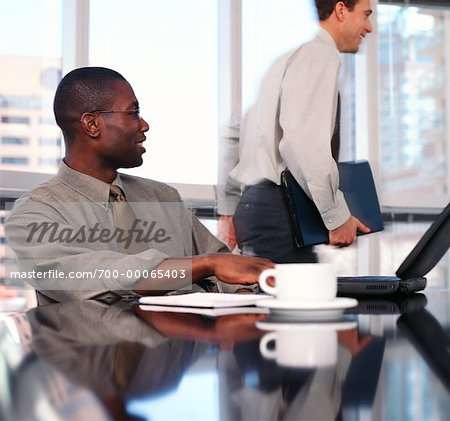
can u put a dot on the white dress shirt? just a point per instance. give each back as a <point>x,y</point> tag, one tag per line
<point>290,126</point>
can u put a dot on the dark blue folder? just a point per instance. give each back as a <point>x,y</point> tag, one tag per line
<point>355,181</point>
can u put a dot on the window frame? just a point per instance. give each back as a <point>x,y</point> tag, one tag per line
<point>395,201</point>
<point>76,54</point>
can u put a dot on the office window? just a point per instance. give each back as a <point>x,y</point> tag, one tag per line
<point>30,68</point>
<point>168,50</point>
<point>414,88</point>
<point>14,160</point>
<point>50,141</point>
<point>10,140</point>
<point>47,121</point>
<point>15,120</point>
<point>49,162</point>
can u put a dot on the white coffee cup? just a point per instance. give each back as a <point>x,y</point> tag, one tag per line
<point>301,282</point>
<point>301,348</point>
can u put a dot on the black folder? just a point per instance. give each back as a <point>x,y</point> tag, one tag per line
<point>357,184</point>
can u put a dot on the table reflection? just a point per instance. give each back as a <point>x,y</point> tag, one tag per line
<point>91,360</point>
<point>430,339</point>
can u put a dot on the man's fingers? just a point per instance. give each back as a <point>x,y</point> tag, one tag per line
<point>363,228</point>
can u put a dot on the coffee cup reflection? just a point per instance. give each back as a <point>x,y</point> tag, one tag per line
<point>304,345</point>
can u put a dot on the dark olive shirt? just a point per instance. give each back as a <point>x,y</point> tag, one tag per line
<point>60,231</point>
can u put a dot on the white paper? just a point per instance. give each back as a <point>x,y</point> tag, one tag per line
<point>204,300</point>
<point>211,312</point>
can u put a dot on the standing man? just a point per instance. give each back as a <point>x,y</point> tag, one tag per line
<point>291,125</point>
<point>91,232</point>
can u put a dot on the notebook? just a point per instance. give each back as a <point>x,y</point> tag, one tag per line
<point>357,184</point>
<point>210,312</point>
<point>203,300</point>
<point>410,276</point>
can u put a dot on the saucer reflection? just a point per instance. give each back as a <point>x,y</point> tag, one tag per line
<point>302,344</point>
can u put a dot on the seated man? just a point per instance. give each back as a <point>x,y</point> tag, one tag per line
<point>91,232</point>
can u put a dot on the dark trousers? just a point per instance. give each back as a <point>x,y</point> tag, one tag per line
<point>263,227</point>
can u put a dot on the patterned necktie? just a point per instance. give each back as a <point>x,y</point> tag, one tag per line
<point>125,220</point>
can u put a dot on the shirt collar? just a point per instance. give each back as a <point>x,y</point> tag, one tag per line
<point>90,187</point>
<point>324,35</point>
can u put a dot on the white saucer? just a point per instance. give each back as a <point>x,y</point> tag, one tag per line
<point>339,303</point>
<point>318,311</point>
<point>279,325</point>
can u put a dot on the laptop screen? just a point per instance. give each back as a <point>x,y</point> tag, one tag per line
<point>429,250</point>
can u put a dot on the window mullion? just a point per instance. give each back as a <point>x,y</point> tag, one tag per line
<point>75,34</point>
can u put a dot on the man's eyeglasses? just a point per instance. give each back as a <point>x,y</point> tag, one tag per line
<point>135,112</point>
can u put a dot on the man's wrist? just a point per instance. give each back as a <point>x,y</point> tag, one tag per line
<point>203,266</point>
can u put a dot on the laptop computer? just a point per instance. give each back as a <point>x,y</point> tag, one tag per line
<point>410,276</point>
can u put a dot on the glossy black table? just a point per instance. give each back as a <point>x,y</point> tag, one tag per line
<point>384,360</point>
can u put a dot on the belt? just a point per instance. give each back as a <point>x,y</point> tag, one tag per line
<point>265,183</point>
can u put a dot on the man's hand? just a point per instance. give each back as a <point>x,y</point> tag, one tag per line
<point>224,330</point>
<point>226,232</point>
<point>345,234</point>
<point>6,292</point>
<point>238,269</point>
<point>227,267</point>
<point>351,340</point>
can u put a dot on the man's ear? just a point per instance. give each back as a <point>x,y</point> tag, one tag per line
<point>340,10</point>
<point>90,124</point>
